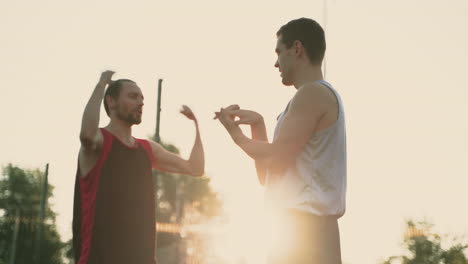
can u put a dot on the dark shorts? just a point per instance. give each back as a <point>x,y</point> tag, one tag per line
<point>304,238</point>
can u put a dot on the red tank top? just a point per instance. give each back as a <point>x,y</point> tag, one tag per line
<point>114,207</point>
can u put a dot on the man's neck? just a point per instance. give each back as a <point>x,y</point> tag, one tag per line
<point>308,74</point>
<point>121,129</point>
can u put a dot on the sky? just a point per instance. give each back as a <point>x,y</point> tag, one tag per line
<point>399,66</point>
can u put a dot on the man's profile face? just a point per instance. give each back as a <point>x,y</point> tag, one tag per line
<point>129,104</point>
<point>284,61</point>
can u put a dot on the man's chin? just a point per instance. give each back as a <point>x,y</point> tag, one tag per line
<point>286,82</point>
<point>133,121</point>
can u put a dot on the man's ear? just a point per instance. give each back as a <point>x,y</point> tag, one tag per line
<point>111,102</point>
<point>298,47</point>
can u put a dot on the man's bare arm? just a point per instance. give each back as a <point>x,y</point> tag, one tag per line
<point>259,133</point>
<point>258,130</point>
<point>89,134</point>
<point>170,162</point>
<point>298,126</point>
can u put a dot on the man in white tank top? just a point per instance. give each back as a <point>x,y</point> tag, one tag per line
<point>304,168</point>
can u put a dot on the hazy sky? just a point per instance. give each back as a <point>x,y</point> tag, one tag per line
<point>400,67</point>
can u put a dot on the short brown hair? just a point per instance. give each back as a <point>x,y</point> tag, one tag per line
<point>309,33</point>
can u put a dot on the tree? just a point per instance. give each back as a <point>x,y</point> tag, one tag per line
<point>425,247</point>
<point>20,195</point>
<point>181,200</point>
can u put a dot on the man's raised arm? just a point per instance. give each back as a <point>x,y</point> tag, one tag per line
<point>170,162</point>
<point>89,134</point>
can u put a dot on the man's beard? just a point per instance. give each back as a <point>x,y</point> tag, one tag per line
<point>129,118</point>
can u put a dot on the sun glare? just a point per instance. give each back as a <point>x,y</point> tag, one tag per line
<point>244,238</point>
<point>245,235</point>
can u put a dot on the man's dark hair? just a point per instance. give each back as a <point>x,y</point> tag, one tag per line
<point>113,90</point>
<point>309,33</point>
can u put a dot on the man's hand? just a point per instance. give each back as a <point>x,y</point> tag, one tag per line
<point>226,117</point>
<point>186,111</point>
<point>241,116</point>
<point>247,117</point>
<point>231,108</point>
<point>106,78</point>
<point>231,117</point>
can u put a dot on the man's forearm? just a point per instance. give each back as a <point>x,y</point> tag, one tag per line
<point>261,166</point>
<point>270,157</point>
<point>197,156</point>
<point>259,131</point>
<point>257,149</point>
<point>90,121</point>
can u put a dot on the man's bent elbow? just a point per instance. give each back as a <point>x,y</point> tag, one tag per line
<point>193,170</point>
<point>88,135</point>
<point>86,140</point>
<point>261,181</point>
<point>198,173</point>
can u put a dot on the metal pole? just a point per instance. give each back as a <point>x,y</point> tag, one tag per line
<point>158,112</point>
<point>37,251</point>
<point>180,183</point>
<point>158,140</point>
<point>15,237</point>
<point>324,29</point>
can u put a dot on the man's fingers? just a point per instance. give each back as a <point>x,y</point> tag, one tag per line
<point>228,111</point>
<point>108,73</point>
<point>233,107</point>
<point>106,77</point>
<point>186,110</point>
<point>185,107</point>
<point>236,112</point>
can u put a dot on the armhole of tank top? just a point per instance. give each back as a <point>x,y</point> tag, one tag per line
<point>146,145</point>
<point>337,97</point>
<point>106,146</point>
<point>284,111</point>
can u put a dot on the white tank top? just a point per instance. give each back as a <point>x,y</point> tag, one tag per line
<point>317,181</point>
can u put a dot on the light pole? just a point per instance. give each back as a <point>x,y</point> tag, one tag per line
<point>15,236</point>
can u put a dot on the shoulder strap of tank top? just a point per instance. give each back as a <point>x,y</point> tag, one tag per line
<point>146,145</point>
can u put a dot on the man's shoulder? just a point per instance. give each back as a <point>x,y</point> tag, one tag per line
<point>311,98</point>
<point>311,93</point>
<point>312,88</point>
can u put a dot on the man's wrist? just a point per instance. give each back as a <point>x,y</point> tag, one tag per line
<point>101,84</point>
<point>259,123</point>
<point>238,137</point>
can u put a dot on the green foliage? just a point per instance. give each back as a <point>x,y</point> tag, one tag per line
<point>68,251</point>
<point>188,189</point>
<point>20,191</point>
<point>178,198</point>
<point>425,247</point>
